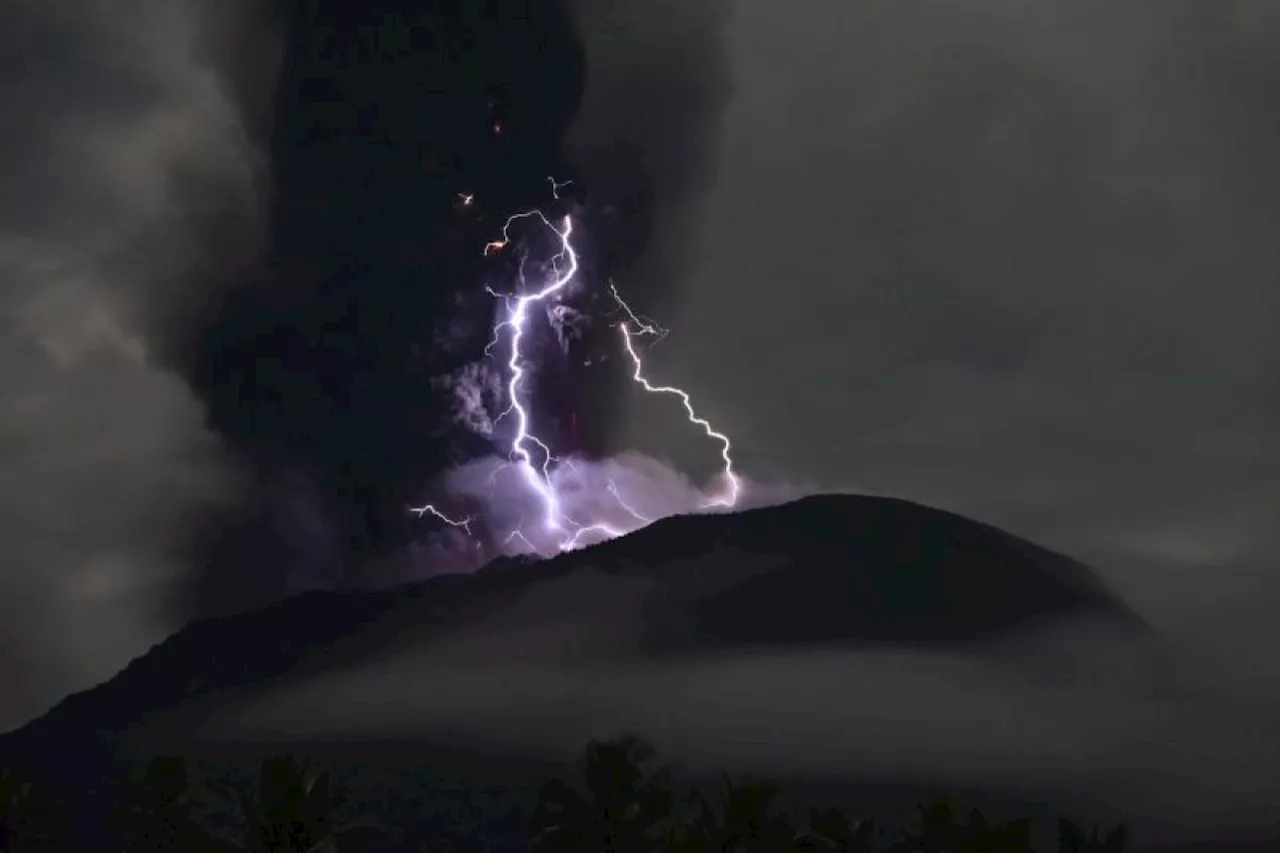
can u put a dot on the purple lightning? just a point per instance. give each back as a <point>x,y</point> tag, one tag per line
<point>429,509</point>
<point>539,481</point>
<point>733,486</point>
<point>567,532</point>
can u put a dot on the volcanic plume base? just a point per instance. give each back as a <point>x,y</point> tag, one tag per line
<point>528,500</point>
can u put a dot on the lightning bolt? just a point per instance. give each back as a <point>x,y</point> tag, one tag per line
<point>733,485</point>
<point>537,478</point>
<point>622,502</point>
<point>530,454</point>
<point>556,186</point>
<point>431,510</point>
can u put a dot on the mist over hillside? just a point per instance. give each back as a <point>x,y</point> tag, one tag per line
<point>863,641</point>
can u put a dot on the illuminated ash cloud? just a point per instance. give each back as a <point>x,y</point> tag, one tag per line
<point>477,392</point>
<point>596,500</point>
<point>532,501</point>
<point>496,516</point>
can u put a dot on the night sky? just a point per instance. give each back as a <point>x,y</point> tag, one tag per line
<point>1015,260</point>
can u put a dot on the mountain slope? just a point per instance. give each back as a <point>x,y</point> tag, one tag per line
<point>822,570</point>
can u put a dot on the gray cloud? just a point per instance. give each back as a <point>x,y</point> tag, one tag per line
<point>106,461</point>
<point>648,129</point>
<point>1016,259</point>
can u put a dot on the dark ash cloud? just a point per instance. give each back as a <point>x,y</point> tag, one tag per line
<point>227,304</point>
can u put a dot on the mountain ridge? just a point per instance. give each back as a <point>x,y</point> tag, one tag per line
<point>829,569</point>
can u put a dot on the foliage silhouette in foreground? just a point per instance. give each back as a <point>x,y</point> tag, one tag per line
<point>831,831</point>
<point>619,801</point>
<point>293,809</point>
<point>29,819</point>
<point>296,810</point>
<point>1072,839</point>
<point>744,820</point>
<point>619,807</point>
<point>159,811</point>
<point>941,829</point>
<point>15,795</point>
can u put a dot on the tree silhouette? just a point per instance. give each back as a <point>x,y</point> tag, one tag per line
<point>1072,839</point>
<point>621,805</point>
<point>295,810</point>
<point>941,831</point>
<point>831,831</point>
<point>617,803</point>
<point>160,812</point>
<point>29,820</point>
<point>749,822</point>
<point>744,822</point>
<point>15,794</point>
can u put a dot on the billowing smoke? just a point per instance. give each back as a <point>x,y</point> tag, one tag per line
<point>624,493</point>
<point>238,276</point>
<point>336,363</point>
<point>497,514</point>
<point>648,133</point>
<point>125,173</point>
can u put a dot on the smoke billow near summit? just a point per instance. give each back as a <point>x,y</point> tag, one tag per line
<point>571,507</point>
<point>243,285</point>
<point>351,364</point>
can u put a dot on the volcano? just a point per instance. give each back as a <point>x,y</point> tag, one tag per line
<point>824,571</point>
<point>693,631</point>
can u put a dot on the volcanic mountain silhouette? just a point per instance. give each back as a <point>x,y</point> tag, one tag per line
<point>830,570</point>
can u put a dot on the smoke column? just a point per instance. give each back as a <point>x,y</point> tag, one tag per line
<point>394,138</point>
<point>241,245</point>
